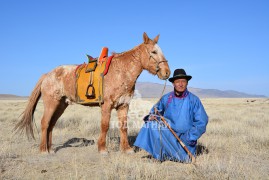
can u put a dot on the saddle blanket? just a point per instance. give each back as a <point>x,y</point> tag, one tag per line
<point>90,80</point>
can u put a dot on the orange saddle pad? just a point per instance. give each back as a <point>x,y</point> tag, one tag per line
<point>90,80</point>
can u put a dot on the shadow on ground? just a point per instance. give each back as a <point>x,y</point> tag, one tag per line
<point>75,142</point>
<point>201,149</point>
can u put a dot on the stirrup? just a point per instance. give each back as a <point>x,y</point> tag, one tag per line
<point>92,94</point>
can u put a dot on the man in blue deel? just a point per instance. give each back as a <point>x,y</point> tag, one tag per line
<point>186,116</point>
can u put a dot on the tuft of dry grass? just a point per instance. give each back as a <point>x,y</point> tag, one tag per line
<point>235,145</point>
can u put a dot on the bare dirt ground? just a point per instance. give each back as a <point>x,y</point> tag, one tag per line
<point>235,145</point>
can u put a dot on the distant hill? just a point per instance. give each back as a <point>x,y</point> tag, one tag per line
<point>11,96</point>
<point>154,90</point>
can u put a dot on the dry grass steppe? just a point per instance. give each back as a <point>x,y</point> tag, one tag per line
<point>235,145</point>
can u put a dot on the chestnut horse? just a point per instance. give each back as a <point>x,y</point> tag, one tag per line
<point>58,90</point>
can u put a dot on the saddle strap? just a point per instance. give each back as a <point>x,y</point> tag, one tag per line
<point>91,94</point>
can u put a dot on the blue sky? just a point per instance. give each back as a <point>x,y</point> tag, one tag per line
<point>223,44</point>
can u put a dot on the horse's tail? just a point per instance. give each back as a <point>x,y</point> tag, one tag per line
<point>26,121</point>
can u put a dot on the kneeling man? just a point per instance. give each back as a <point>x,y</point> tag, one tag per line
<point>185,114</point>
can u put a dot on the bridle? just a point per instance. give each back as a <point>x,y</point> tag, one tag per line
<point>157,62</point>
<point>157,68</point>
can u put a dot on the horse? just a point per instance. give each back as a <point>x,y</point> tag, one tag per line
<point>57,89</point>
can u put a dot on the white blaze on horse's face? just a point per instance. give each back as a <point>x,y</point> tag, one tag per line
<point>157,63</point>
<point>159,51</point>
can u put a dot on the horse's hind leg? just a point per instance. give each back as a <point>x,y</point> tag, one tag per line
<point>50,107</point>
<point>57,114</point>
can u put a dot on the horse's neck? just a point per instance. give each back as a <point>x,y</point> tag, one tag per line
<point>128,66</point>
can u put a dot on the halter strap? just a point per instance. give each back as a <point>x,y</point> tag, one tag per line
<point>157,63</point>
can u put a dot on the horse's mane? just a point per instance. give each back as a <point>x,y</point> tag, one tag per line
<point>125,53</point>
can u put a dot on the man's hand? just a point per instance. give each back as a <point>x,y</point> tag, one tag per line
<point>149,117</point>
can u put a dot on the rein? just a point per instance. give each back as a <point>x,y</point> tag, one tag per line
<point>157,69</point>
<point>163,90</point>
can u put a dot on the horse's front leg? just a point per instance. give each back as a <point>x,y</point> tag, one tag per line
<point>122,116</point>
<point>106,113</point>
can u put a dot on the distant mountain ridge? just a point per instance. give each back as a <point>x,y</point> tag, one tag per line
<point>154,90</point>
<point>11,96</point>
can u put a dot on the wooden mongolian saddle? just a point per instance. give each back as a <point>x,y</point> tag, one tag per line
<point>90,79</point>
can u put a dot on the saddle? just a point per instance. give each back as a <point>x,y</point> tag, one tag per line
<point>90,79</point>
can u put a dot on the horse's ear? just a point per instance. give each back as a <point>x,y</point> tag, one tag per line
<point>146,38</point>
<point>156,39</point>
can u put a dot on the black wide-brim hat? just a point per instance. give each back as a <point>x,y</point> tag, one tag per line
<point>180,74</point>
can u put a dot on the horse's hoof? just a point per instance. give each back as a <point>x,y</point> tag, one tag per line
<point>52,152</point>
<point>44,153</point>
<point>103,153</point>
<point>129,151</point>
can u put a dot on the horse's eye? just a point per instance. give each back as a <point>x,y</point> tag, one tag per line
<point>154,52</point>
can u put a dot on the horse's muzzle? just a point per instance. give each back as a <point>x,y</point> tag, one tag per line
<point>163,74</point>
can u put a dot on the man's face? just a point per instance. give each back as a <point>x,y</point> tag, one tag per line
<point>180,84</point>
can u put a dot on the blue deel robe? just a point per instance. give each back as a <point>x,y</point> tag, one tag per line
<point>186,116</point>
